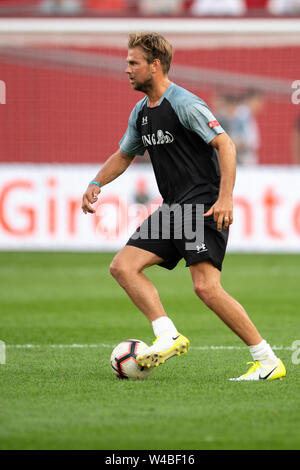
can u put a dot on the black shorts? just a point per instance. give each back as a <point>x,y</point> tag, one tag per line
<point>172,249</point>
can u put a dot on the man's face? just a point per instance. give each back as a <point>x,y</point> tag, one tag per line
<point>138,70</point>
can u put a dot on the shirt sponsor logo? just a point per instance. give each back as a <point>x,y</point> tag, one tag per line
<point>213,124</point>
<point>158,138</point>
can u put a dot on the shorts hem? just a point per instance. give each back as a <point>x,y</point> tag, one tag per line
<point>205,258</point>
<point>136,245</point>
<point>168,264</point>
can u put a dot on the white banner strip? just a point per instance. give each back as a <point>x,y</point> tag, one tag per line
<point>170,25</point>
<point>40,208</point>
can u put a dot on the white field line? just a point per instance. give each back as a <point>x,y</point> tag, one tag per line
<point>103,345</point>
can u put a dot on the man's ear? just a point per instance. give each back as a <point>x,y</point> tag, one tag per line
<point>154,65</point>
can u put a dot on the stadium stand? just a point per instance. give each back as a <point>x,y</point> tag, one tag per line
<point>151,8</point>
<point>68,98</point>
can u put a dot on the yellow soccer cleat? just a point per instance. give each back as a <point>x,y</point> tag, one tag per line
<point>258,372</point>
<point>157,354</point>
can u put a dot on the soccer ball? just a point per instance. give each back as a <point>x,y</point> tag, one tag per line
<point>123,363</point>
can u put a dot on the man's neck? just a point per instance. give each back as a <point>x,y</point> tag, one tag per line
<point>155,94</point>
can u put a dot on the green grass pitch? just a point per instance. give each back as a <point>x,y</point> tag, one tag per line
<point>58,397</point>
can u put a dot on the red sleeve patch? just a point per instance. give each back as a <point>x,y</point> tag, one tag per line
<point>213,124</point>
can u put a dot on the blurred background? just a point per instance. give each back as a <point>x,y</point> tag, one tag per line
<point>65,104</point>
<point>151,7</point>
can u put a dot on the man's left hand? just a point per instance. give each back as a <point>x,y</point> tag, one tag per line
<point>222,211</point>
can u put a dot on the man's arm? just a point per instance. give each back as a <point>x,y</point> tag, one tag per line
<point>114,166</point>
<point>222,210</point>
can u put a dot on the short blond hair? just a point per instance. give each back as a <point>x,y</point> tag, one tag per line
<point>154,47</point>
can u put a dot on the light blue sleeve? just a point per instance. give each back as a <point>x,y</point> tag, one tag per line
<point>197,117</point>
<point>131,142</point>
<point>193,113</point>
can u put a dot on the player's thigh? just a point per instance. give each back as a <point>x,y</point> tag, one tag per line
<point>132,258</point>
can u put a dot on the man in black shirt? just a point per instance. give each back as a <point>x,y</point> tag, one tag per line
<point>194,163</point>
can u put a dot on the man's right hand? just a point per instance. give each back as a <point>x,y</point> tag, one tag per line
<point>90,197</point>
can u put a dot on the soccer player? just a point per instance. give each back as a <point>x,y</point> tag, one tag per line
<point>194,162</point>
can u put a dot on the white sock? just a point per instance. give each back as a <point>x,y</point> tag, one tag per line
<point>163,325</point>
<point>263,353</point>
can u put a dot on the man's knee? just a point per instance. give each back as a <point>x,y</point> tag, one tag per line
<point>206,290</point>
<point>118,269</point>
<point>121,268</point>
<point>131,261</point>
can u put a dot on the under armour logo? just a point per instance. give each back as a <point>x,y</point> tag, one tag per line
<point>144,120</point>
<point>201,248</point>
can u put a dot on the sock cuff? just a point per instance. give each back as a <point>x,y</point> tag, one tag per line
<point>262,352</point>
<point>258,347</point>
<point>162,325</point>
